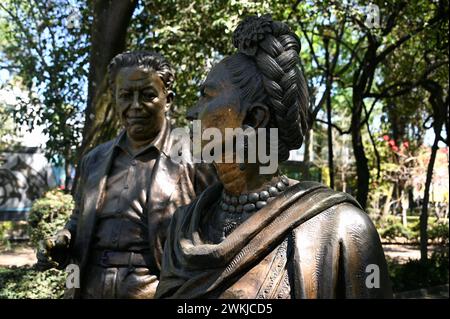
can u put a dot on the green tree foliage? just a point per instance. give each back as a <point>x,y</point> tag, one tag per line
<point>7,129</point>
<point>374,75</point>
<point>45,44</point>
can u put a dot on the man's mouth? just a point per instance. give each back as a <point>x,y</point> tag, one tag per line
<point>138,117</point>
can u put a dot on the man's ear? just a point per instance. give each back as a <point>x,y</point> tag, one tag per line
<point>257,116</point>
<point>169,100</point>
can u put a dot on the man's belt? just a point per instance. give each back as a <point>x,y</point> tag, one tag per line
<point>110,258</point>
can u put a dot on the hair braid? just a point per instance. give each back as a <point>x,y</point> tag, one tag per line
<point>274,48</point>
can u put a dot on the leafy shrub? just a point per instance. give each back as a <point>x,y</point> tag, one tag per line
<point>416,274</point>
<point>49,214</point>
<point>26,282</point>
<point>5,227</point>
<point>395,230</point>
<point>391,227</point>
<point>438,232</point>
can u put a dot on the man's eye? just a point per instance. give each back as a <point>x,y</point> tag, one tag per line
<point>148,96</point>
<point>125,95</point>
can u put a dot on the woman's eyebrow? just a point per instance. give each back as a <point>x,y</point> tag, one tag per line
<point>211,86</point>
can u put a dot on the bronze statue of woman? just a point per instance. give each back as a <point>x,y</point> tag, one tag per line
<point>267,236</point>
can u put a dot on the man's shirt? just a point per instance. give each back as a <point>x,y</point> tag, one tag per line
<point>122,221</point>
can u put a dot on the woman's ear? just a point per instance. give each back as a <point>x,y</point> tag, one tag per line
<point>169,100</point>
<point>257,116</point>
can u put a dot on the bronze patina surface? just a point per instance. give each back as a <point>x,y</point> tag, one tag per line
<point>263,236</point>
<point>128,189</point>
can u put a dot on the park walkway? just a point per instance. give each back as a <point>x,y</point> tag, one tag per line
<point>22,255</point>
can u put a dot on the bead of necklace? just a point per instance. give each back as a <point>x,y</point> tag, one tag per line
<point>254,201</point>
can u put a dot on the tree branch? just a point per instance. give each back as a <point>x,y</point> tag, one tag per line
<point>341,131</point>
<point>405,38</point>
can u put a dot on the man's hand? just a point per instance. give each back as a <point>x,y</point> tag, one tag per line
<point>53,251</point>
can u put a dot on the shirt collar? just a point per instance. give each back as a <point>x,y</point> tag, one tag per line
<point>157,143</point>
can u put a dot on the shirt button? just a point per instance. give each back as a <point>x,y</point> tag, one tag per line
<point>133,162</point>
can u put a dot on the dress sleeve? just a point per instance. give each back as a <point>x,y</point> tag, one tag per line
<point>362,264</point>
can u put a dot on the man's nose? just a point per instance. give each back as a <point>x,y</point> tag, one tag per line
<point>136,104</point>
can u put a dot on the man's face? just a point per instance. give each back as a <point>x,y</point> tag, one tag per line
<point>141,102</point>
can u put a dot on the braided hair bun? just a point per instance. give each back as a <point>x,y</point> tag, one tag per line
<point>266,69</point>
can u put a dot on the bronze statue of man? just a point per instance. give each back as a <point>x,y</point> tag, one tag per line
<point>128,190</point>
<point>267,236</point>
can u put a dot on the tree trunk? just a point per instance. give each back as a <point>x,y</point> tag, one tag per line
<point>387,204</point>
<point>440,107</point>
<point>108,38</point>
<point>330,128</point>
<point>405,207</point>
<point>426,200</point>
<point>362,167</point>
<point>307,155</point>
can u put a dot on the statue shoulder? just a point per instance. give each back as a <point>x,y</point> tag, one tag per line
<point>97,152</point>
<point>346,224</point>
<point>353,220</point>
<point>343,220</point>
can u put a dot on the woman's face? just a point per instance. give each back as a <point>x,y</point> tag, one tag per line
<point>219,107</point>
<point>219,102</point>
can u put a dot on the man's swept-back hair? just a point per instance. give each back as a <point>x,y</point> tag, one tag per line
<point>147,59</point>
<point>266,69</point>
